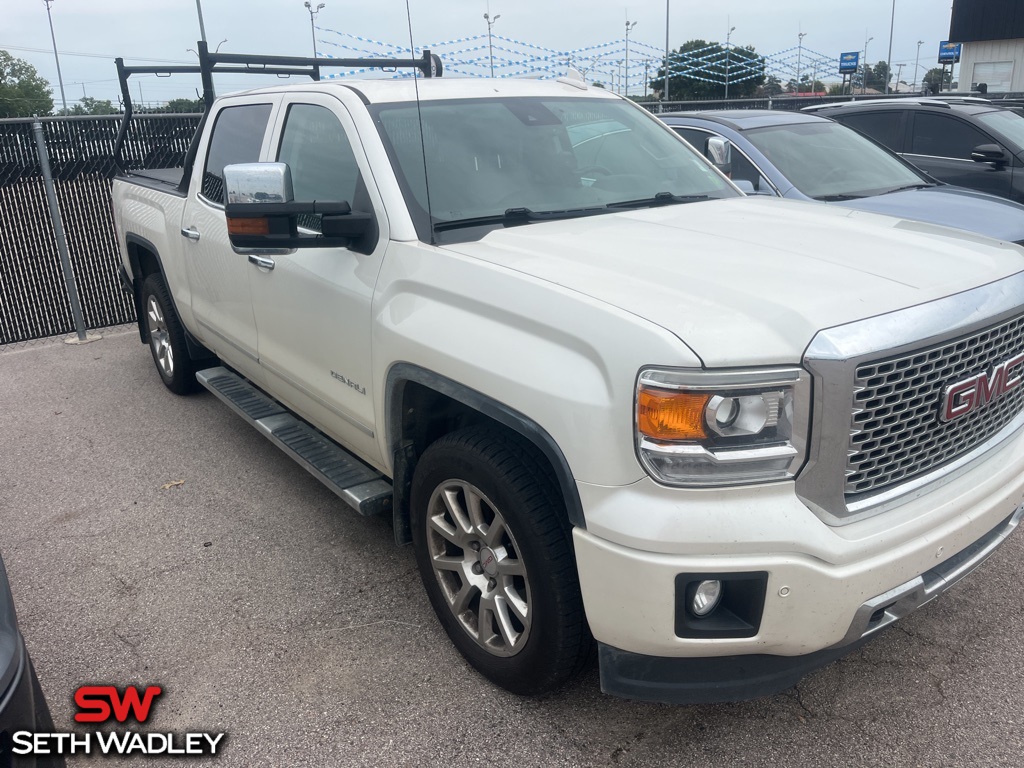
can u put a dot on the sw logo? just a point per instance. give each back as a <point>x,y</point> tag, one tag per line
<point>98,703</point>
<point>107,703</point>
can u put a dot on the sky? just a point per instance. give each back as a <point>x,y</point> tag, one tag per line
<point>161,31</point>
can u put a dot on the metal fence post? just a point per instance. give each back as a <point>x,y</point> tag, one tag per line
<point>58,231</point>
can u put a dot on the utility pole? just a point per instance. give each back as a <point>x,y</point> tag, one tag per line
<point>728,38</point>
<point>313,12</point>
<point>629,26</point>
<point>56,58</point>
<point>202,29</point>
<point>799,52</point>
<point>899,74</point>
<point>664,93</point>
<point>888,59</point>
<point>864,82</point>
<point>490,44</point>
<point>917,65</point>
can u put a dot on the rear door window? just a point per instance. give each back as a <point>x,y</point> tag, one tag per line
<point>945,136</point>
<point>237,138</point>
<point>884,127</point>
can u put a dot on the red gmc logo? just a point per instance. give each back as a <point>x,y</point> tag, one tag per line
<point>976,392</point>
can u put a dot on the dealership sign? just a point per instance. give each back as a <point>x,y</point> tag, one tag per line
<point>849,62</point>
<point>949,53</point>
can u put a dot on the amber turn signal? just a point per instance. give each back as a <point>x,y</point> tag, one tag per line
<point>256,226</point>
<point>664,414</point>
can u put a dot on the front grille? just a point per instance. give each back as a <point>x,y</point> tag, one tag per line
<point>896,433</point>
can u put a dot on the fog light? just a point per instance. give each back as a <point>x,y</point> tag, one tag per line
<point>706,597</point>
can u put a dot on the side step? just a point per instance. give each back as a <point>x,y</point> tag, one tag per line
<point>361,487</point>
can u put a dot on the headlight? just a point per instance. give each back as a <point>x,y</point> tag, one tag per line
<point>708,428</point>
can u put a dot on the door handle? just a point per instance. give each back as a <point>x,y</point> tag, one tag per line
<point>262,262</point>
<point>191,234</point>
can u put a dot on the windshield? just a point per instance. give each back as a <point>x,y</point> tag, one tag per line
<point>828,161</point>
<point>487,157</point>
<point>1009,124</point>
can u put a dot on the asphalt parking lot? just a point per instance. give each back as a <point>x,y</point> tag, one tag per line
<point>157,540</point>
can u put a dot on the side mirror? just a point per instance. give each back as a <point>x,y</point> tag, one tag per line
<point>989,153</point>
<point>261,213</point>
<point>719,152</point>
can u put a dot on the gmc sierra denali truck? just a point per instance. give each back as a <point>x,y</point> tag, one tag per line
<point>605,396</point>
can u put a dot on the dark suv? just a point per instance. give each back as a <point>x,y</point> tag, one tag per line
<point>968,142</point>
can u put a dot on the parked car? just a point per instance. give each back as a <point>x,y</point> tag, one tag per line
<point>966,141</point>
<point>805,157</point>
<point>22,703</point>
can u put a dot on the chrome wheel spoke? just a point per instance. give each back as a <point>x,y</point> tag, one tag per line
<point>508,632</point>
<point>458,514</point>
<point>449,563</point>
<point>446,530</point>
<point>508,566</point>
<point>462,599</point>
<point>516,603</point>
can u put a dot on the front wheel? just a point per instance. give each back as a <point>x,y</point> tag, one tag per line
<point>496,560</point>
<point>167,337</point>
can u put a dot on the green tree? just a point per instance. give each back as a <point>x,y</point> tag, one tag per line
<point>184,106</point>
<point>700,69</point>
<point>772,86</point>
<point>23,92</point>
<point>933,77</point>
<point>87,105</point>
<point>879,76</point>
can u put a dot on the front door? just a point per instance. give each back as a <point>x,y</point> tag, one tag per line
<point>312,307</point>
<point>942,144</point>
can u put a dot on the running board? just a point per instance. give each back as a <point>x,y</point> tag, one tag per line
<point>361,487</point>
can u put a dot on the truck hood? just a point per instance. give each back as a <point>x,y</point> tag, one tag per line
<point>750,281</point>
<point>952,207</point>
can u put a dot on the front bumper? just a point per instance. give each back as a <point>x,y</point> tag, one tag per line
<point>738,678</point>
<point>825,589</point>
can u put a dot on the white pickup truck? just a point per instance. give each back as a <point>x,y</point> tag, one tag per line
<point>604,395</point>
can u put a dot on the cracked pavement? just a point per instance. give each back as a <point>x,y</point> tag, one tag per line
<point>265,609</point>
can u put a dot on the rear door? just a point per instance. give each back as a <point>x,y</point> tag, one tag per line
<point>312,307</point>
<point>219,277</point>
<point>941,144</point>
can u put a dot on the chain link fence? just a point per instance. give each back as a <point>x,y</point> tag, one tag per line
<point>34,300</point>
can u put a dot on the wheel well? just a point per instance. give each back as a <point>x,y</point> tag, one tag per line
<point>421,414</point>
<point>144,263</point>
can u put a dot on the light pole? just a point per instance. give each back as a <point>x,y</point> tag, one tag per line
<point>728,37</point>
<point>917,64</point>
<point>202,29</point>
<point>490,44</point>
<point>56,58</point>
<point>664,93</point>
<point>312,15</point>
<point>864,82</point>
<point>888,59</point>
<point>799,52</point>
<point>629,26</point>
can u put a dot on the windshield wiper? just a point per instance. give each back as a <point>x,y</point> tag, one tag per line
<point>839,198</point>
<point>919,185</point>
<point>662,198</point>
<point>515,216</point>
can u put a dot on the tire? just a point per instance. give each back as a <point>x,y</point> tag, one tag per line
<point>493,548</point>
<point>167,338</point>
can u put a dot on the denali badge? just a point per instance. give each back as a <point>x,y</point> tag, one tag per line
<point>968,395</point>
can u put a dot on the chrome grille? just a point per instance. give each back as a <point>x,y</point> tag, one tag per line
<point>896,433</point>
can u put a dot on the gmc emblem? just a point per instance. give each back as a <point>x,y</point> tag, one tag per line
<point>976,392</point>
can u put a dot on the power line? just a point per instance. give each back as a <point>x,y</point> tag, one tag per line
<point>108,56</point>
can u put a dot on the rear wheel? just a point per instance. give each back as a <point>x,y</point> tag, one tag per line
<point>496,560</point>
<point>167,337</point>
